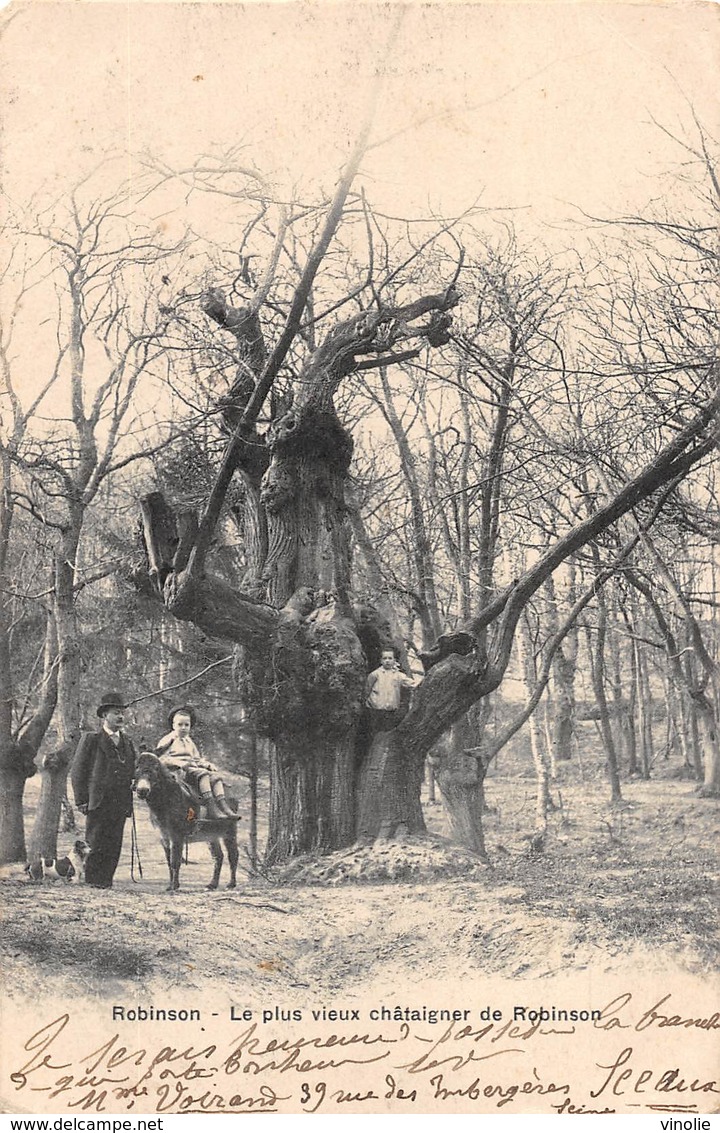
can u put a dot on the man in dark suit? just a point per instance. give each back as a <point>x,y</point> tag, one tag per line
<point>102,775</point>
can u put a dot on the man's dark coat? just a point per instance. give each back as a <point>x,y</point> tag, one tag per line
<point>100,769</point>
<point>102,776</point>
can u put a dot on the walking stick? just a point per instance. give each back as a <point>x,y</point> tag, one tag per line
<point>134,849</point>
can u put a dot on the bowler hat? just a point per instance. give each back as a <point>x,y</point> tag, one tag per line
<point>111,700</point>
<point>183,710</point>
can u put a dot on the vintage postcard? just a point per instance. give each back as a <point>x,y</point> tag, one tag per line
<point>359,578</point>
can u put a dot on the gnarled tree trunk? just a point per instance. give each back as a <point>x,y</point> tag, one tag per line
<point>307,649</point>
<point>460,770</point>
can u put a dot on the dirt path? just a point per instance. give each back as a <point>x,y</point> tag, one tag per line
<point>609,892</point>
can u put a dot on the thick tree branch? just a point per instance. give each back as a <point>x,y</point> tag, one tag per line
<point>386,360</point>
<point>564,629</point>
<point>272,367</point>
<point>673,461</point>
<point>220,610</point>
<point>456,683</point>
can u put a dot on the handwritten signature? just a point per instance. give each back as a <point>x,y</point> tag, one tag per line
<point>464,1067</point>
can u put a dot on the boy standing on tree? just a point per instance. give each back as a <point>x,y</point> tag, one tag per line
<point>383,692</point>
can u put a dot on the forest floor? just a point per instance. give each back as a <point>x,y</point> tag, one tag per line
<point>613,888</point>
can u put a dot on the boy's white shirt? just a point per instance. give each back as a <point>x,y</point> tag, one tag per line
<point>384,692</point>
<point>182,747</point>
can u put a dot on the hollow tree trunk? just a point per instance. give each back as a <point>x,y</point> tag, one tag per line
<point>319,801</point>
<point>389,790</point>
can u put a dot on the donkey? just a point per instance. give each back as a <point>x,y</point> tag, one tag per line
<point>174,810</point>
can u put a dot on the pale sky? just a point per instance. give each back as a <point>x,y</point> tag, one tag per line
<point>537,105</point>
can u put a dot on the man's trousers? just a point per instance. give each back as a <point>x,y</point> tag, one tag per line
<point>104,833</point>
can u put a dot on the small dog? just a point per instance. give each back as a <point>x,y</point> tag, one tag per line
<point>65,869</point>
<point>81,851</point>
<point>58,869</point>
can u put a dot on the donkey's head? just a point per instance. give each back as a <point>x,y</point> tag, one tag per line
<point>148,772</point>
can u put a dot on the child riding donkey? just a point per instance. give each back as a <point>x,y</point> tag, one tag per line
<point>179,752</point>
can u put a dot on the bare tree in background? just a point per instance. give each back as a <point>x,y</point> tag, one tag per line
<point>70,416</point>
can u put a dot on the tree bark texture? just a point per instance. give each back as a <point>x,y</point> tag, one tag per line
<point>597,672</point>
<point>303,493</point>
<point>460,761</point>
<point>54,765</point>
<point>18,753</point>
<point>630,715</point>
<point>540,755</point>
<point>16,767</point>
<point>691,717</point>
<point>461,775</point>
<point>710,738</point>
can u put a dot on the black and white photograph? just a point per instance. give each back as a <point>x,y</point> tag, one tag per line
<point>359,558</point>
